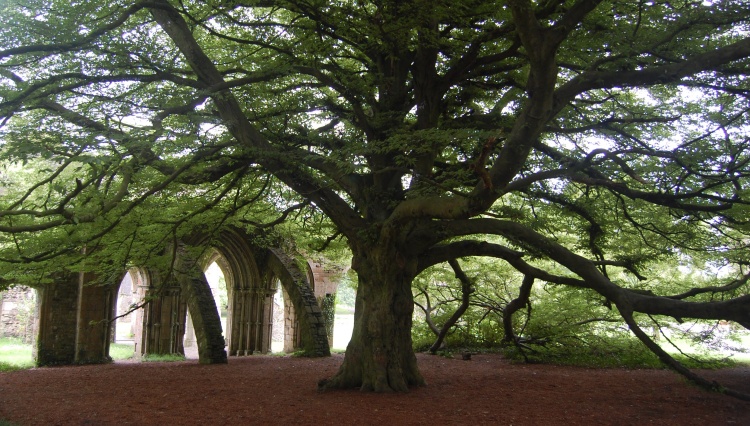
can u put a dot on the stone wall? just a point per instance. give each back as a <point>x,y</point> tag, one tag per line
<point>74,314</point>
<point>325,280</point>
<point>310,325</point>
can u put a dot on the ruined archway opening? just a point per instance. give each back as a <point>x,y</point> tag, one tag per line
<point>277,319</point>
<point>283,325</point>
<point>123,328</point>
<point>126,328</point>
<point>19,321</point>
<point>216,278</point>
<point>343,316</point>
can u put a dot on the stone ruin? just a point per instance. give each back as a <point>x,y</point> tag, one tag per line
<point>76,313</point>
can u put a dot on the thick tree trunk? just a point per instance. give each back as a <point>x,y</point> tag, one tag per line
<point>380,356</point>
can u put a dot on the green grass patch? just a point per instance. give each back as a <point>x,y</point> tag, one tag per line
<point>15,355</point>
<point>163,358</point>
<point>120,351</point>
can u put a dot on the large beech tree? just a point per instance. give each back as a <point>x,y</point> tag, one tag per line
<point>589,135</point>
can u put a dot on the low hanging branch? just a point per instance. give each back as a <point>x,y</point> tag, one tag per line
<point>733,285</point>
<point>427,308</point>
<point>514,306</point>
<point>466,290</point>
<point>672,363</point>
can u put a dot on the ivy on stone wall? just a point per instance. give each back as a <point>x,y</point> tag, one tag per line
<point>328,306</point>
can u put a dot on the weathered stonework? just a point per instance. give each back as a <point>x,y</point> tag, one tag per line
<point>312,324</point>
<point>325,281</point>
<point>93,317</point>
<point>58,322</point>
<point>200,302</point>
<point>162,321</point>
<point>76,316</point>
<point>253,275</point>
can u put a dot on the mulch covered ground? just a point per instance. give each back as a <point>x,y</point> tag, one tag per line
<point>282,390</point>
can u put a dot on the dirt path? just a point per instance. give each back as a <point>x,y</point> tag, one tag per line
<point>282,390</point>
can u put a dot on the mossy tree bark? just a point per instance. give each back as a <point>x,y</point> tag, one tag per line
<point>380,356</point>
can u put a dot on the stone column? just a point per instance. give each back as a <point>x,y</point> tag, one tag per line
<point>94,313</point>
<point>178,314</point>
<point>267,321</point>
<point>240,323</point>
<point>58,307</point>
<point>164,319</point>
<point>257,324</point>
<point>139,316</point>
<point>247,323</point>
<point>229,332</point>
<point>291,338</point>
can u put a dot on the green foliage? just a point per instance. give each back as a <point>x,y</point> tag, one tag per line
<point>223,297</point>
<point>328,308</point>
<point>481,325</point>
<point>24,309</point>
<point>573,326</point>
<point>347,290</point>
<point>585,145</point>
<point>621,351</point>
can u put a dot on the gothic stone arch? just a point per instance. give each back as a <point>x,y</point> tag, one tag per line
<point>313,338</point>
<point>75,315</point>
<point>250,272</point>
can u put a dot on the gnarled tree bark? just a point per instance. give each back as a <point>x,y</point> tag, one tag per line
<point>380,356</point>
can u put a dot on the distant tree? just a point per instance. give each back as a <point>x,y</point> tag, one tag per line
<point>594,135</point>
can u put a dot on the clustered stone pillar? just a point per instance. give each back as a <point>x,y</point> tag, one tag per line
<point>76,314</point>
<point>74,317</point>
<point>163,321</point>
<point>95,312</point>
<point>58,305</point>
<point>251,311</point>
